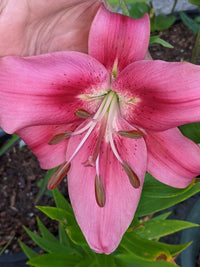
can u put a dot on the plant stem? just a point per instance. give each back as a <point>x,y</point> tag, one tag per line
<point>9,144</point>
<point>124,7</point>
<point>174,5</point>
<point>5,247</point>
<point>196,50</point>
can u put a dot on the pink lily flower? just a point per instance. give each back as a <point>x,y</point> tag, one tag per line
<point>107,118</point>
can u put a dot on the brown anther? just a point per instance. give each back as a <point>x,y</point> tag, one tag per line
<point>133,178</point>
<point>134,134</point>
<point>59,137</point>
<point>99,191</point>
<point>81,113</point>
<point>58,175</point>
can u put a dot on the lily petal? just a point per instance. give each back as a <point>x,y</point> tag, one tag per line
<point>116,40</point>
<point>173,159</point>
<point>104,226</point>
<point>160,95</point>
<point>37,138</point>
<point>47,89</point>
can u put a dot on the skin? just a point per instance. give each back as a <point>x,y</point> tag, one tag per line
<point>33,27</point>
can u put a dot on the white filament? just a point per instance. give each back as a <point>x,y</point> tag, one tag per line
<point>91,125</point>
<point>97,166</point>
<point>111,115</point>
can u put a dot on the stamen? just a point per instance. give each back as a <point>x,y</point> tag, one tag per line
<point>114,148</point>
<point>58,175</point>
<point>106,105</point>
<point>59,137</point>
<point>94,120</point>
<point>134,134</point>
<point>111,115</point>
<point>133,178</point>
<point>97,166</point>
<point>99,191</point>
<point>81,113</point>
<point>92,159</point>
<point>98,116</point>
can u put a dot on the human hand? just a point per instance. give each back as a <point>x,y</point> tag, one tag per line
<point>32,27</point>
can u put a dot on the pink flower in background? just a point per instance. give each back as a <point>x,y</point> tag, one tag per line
<point>107,118</point>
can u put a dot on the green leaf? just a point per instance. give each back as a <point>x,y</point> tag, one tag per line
<point>162,22</point>
<point>197,19</point>
<point>68,220</point>
<point>155,189</point>
<point>156,229</point>
<point>45,232</point>
<point>176,249</point>
<point>87,263</point>
<point>58,214</point>
<point>99,260</point>
<point>149,205</point>
<point>44,183</point>
<point>191,131</point>
<point>138,223</point>
<point>190,23</point>
<point>161,216</point>
<point>105,260</point>
<point>116,2</point>
<point>9,144</point>
<point>137,10</point>
<point>195,2</point>
<point>135,261</point>
<point>61,201</point>
<point>29,252</point>
<point>75,234</point>
<point>147,250</point>
<point>138,262</point>
<point>135,222</point>
<point>63,237</point>
<point>47,245</point>
<point>143,248</point>
<point>55,259</point>
<point>121,263</point>
<point>157,40</point>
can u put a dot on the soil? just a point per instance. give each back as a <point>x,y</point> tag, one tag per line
<point>181,38</point>
<point>20,171</point>
<point>20,175</point>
